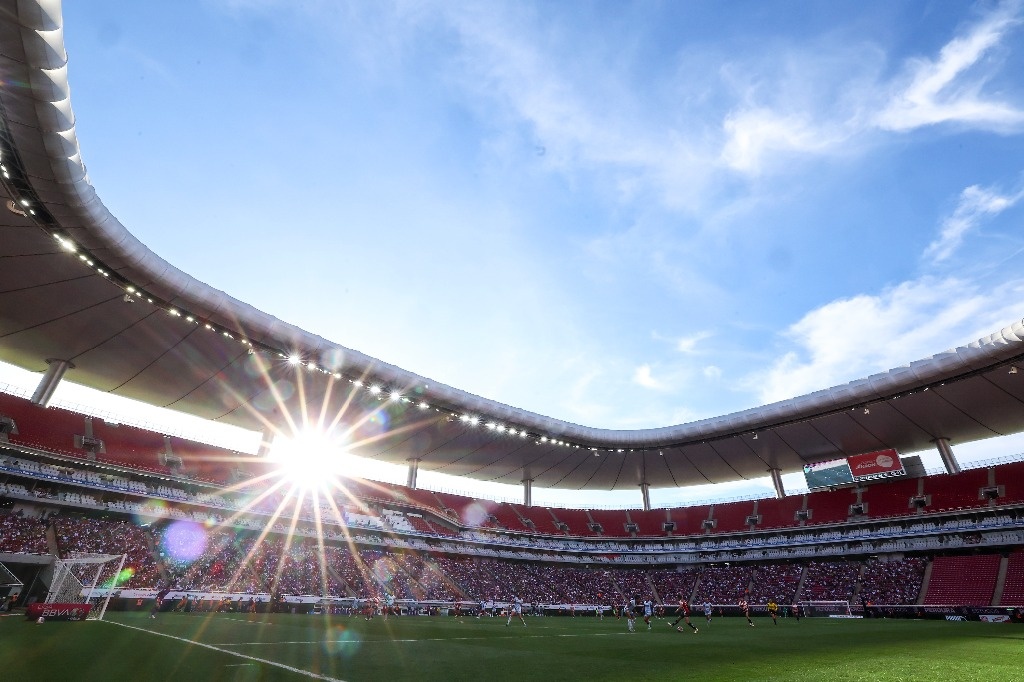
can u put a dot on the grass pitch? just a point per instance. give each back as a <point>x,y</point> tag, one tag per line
<point>130,646</point>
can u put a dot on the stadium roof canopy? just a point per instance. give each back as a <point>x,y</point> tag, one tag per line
<point>76,285</point>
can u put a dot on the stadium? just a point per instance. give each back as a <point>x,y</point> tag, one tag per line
<point>133,550</point>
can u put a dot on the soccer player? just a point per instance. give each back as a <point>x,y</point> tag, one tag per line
<point>629,608</point>
<point>796,611</point>
<point>516,609</point>
<point>773,611</point>
<point>707,612</point>
<point>745,608</point>
<point>648,611</point>
<point>160,596</point>
<point>684,614</point>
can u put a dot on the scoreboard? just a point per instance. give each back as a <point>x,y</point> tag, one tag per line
<point>864,467</point>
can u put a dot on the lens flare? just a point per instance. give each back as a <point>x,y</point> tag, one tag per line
<point>121,578</point>
<point>184,541</point>
<point>384,570</point>
<point>474,514</point>
<point>340,641</point>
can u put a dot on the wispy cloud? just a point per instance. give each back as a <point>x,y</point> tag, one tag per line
<point>975,205</point>
<point>851,338</point>
<point>688,344</point>
<point>947,89</point>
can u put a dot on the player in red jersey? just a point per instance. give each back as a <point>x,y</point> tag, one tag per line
<point>684,614</point>
<point>745,608</point>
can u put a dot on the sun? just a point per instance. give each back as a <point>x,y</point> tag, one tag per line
<point>310,459</point>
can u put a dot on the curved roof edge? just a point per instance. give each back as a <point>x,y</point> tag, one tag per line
<point>45,56</point>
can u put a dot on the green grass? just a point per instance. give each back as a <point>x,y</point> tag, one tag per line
<point>421,648</point>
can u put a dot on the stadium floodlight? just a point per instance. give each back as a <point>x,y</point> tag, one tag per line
<point>375,389</point>
<point>1013,369</point>
<point>395,395</point>
<point>294,359</point>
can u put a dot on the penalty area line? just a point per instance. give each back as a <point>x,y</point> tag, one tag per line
<point>289,668</point>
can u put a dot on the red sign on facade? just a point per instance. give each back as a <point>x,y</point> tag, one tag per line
<point>875,464</point>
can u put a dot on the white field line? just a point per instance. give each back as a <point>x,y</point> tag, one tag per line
<point>289,668</point>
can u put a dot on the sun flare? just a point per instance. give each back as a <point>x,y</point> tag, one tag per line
<point>309,460</point>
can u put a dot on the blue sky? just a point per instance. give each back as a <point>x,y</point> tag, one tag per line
<point>619,214</point>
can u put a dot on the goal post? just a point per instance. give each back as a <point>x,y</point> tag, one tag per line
<point>86,579</point>
<point>826,609</point>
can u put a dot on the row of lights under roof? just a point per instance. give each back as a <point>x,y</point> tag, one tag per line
<point>131,292</point>
<point>295,359</point>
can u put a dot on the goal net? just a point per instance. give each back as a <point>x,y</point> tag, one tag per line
<point>826,609</point>
<point>86,579</point>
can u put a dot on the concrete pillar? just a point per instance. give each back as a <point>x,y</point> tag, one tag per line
<point>528,492</point>
<point>947,456</point>
<point>776,474</point>
<point>414,469</point>
<point>51,379</point>
<point>645,492</point>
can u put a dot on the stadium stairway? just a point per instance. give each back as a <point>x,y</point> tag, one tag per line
<point>924,583</point>
<point>860,580</point>
<point>341,581</point>
<point>800,585</point>
<point>696,587</point>
<point>154,551</point>
<point>51,540</point>
<point>448,580</point>
<point>997,594</point>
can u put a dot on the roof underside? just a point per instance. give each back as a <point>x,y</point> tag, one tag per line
<point>197,350</point>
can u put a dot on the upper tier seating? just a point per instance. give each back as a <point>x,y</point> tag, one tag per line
<point>689,520</point>
<point>1011,477</point>
<point>890,498</point>
<point>649,523</point>
<point>779,513</point>
<point>613,523</point>
<point>732,517</point>
<point>958,491</point>
<point>829,506</point>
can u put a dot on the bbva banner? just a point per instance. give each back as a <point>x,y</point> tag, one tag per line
<point>58,611</point>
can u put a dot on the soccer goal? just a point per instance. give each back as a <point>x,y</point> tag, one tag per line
<point>86,579</point>
<point>826,609</point>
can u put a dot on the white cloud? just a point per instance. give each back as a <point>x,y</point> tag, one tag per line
<point>976,203</point>
<point>642,376</point>
<point>712,372</point>
<point>852,338</point>
<point>943,90</point>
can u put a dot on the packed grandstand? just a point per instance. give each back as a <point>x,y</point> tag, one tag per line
<point>893,546</point>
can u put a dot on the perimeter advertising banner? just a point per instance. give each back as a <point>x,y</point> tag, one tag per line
<point>58,611</point>
<point>879,464</point>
